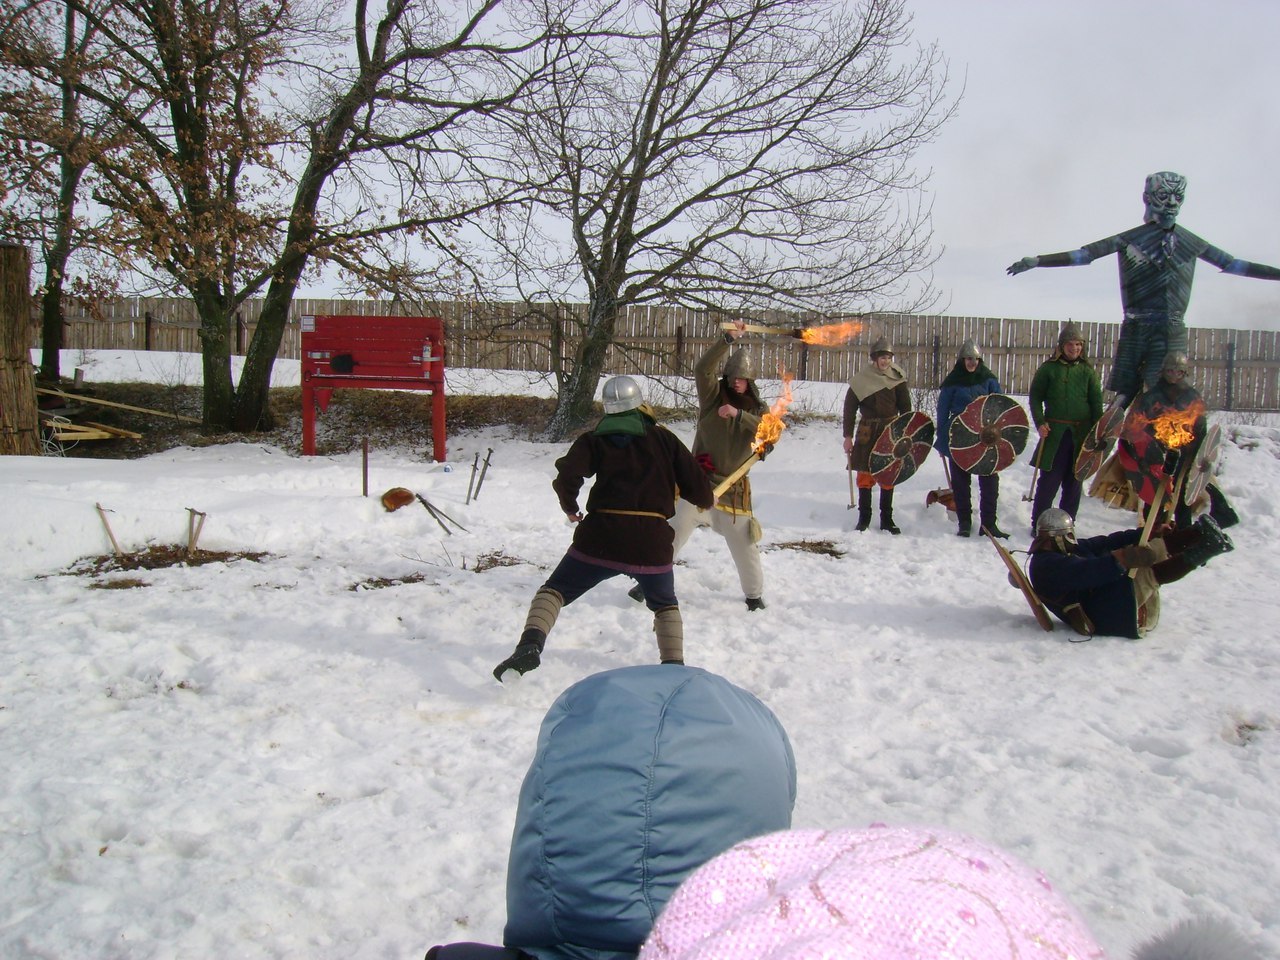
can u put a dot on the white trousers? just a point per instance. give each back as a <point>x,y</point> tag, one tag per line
<point>736,531</point>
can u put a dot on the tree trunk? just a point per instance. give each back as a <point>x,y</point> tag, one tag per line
<point>51,333</point>
<point>19,418</point>
<point>215,352</point>
<point>575,402</point>
<point>253,395</point>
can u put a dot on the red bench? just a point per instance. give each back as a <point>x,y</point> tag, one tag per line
<point>387,353</point>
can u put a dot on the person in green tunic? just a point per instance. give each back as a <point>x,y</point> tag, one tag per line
<point>1066,401</point>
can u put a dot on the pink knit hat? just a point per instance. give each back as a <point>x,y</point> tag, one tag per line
<point>877,894</point>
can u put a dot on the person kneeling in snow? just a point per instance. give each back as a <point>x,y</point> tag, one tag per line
<point>1087,583</point>
<point>641,774</point>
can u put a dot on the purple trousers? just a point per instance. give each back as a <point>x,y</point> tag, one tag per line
<point>1061,475</point>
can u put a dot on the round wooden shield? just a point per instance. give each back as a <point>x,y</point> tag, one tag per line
<point>1203,467</point>
<point>988,434</point>
<point>901,447</point>
<point>1098,443</point>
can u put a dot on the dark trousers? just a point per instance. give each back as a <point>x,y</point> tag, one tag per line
<point>574,577</point>
<point>962,490</point>
<point>1061,475</point>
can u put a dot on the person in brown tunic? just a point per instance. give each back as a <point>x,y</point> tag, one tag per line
<point>638,467</point>
<point>877,393</point>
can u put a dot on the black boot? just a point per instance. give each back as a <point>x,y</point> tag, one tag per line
<point>995,531</point>
<point>1220,508</point>
<point>886,511</point>
<point>636,593</point>
<point>964,524</point>
<point>864,509</point>
<point>527,655</point>
<point>1212,542</point>
<point>755,603</point>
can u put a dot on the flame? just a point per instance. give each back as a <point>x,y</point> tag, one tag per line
<point>1175,428</point>
<point>831,334</point>
<point>771,425</point>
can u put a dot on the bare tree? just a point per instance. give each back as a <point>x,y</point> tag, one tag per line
<point>262,139</point>
<point>729,155</point>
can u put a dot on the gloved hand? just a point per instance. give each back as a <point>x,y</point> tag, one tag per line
<point>705,462</point>
<point>1135,555</point>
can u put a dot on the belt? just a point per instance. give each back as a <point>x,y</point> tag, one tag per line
<point>1152,315</point>
<point>631,513</point>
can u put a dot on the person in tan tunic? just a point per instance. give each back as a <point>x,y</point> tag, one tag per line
<point>877,393</point>
<point>729,411</point>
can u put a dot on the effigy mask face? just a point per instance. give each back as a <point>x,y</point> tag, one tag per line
<point>1163,196</point>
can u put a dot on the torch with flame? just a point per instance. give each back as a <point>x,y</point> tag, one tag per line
<point>1174,429</point>
<point>826,335</point>
<point>767,434</point>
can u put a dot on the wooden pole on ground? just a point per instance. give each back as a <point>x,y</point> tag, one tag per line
<point>19,415</point>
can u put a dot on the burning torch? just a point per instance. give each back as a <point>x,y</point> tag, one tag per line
<point>767,434</point>
<point>827,335</point>
<point>1174,429</point>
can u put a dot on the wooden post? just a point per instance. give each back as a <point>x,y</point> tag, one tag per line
<point>1231,372</point>
<point>19,416</point>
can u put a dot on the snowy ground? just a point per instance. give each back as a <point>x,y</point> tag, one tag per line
<point>286,758</point>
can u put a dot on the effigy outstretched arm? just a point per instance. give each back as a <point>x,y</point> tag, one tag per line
<point>1070,258</point>
<point>1257,271</point>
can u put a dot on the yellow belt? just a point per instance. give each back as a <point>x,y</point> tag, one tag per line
<point>632,513</point>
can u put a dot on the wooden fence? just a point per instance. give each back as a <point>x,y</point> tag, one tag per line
<point>1233,369</point>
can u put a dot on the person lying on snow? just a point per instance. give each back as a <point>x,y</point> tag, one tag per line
<point>640,775</point>
<point>1088,583</point>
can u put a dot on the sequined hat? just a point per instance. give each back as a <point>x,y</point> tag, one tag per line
<point>883,893</point>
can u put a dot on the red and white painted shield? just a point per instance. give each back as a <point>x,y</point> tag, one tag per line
<point>1099,442</point>
<point>1203,466</point>
<point>901,447</point>
<point>988,434</point>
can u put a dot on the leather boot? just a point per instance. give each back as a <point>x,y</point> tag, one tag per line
<point>864,509</point>
<point>964,524</point>
<point>527,655</point>
<point>886,511</point>
<point>1211,543</point>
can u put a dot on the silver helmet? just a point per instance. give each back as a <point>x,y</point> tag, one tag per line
<point>620,394</point>
<point>739,364</point>
<point>1057,524</point>
<point>1175,361</point>
<point>881,345</point>
<point>969,350</point>
<point>1070,332</point>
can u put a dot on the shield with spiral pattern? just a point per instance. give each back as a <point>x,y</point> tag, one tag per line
<point>901,447</point>
<point>988,434</point>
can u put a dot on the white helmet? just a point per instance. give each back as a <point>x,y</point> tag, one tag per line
<point>620,394</point>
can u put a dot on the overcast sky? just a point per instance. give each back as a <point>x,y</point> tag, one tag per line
<point>1068,105</point>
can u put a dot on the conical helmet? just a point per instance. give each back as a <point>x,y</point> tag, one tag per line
<point>739,365</point>
<point>620,394</point>
<point>1176,360</point>
<point>969,351</point>
<point>1070,332</point>
<point>881,345</point>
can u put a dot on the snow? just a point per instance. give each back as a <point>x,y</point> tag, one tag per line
<point>285,758</point>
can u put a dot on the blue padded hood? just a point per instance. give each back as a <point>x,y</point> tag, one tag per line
<point>641,775</point>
